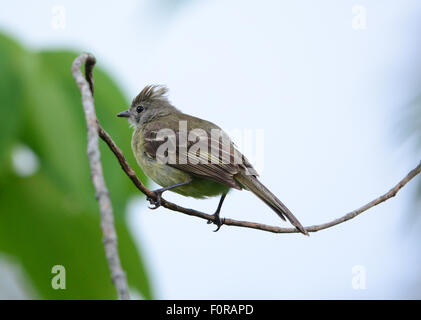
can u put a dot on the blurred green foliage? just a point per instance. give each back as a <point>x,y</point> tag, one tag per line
<point>51,217</point>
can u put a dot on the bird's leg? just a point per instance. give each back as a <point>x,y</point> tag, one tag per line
<point>159,192</point>
<point>218,220</point>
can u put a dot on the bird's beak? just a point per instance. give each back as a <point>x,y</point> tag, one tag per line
<point>124,114</point>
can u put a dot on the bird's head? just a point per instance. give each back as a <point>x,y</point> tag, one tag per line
<point>151,103</point>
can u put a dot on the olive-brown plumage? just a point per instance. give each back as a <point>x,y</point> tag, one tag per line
<point>212,174</point>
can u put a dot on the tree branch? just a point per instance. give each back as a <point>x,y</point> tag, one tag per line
<point>107,219</point>
<point>245,224</point>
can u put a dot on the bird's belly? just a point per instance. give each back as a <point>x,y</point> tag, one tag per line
<point>162,174</point>
<point>166,176</point>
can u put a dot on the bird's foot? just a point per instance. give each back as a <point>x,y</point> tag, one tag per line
<point>156,203</point>
<point>158,194</point>
<point>218,221</point>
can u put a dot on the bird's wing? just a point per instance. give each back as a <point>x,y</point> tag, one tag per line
<point>197,151</point>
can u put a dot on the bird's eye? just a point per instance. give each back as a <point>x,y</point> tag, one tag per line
<point>139,109</point>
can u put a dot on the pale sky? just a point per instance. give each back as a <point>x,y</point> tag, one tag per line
<point>328,98</point>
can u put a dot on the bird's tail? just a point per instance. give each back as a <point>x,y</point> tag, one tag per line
<point>252,184</point>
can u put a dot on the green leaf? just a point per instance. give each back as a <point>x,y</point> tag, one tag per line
<point>52,217</point>
<point>10,92</point>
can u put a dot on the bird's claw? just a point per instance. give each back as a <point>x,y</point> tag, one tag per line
<point>156,203</point>
<point>218,222</point>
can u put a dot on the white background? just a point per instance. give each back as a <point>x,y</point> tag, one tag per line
<point>331,101</point>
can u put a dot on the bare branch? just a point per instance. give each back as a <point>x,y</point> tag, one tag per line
<point>107,219</point>
<point>246,224</point>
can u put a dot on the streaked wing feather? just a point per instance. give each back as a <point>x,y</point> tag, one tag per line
<point>219,167</point>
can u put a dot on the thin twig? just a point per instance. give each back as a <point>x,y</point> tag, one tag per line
<point>246,224</point>
<point>107,219</point>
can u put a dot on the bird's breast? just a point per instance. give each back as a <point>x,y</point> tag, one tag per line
<point>162,174</point>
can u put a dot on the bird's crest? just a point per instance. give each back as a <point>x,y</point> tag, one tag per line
<point>152,93</point>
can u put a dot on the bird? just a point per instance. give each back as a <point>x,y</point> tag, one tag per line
<point>191,156</point>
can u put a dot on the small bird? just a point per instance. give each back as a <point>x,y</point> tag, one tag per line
<point>172,148</point>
